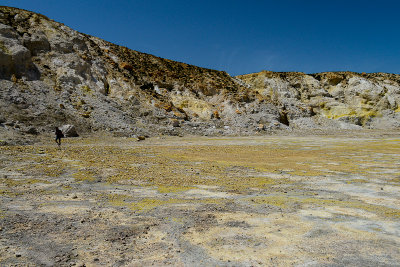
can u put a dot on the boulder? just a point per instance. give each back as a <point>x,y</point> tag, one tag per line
<point>141,138</point>
<point>32,130</point>
<point>69,130</point>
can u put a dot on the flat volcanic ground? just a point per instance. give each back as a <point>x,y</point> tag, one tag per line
<point>236,201</point>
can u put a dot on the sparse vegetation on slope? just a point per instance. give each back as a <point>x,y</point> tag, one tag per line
<point>54,75</point>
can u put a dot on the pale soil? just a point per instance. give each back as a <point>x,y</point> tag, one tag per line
<point>197,201</point>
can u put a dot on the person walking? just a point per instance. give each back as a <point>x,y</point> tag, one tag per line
<point>59,135</point>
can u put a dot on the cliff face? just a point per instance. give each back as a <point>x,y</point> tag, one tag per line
<point>52,75</point>
<point>340,99</point>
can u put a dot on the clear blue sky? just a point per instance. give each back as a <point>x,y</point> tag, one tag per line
<point>243,36</point>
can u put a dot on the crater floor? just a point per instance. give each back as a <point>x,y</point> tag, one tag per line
<point>202,201</point>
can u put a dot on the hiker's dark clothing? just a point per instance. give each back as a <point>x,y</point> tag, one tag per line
<point>59,135</point>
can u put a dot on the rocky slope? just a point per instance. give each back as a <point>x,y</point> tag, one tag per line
<point>52,75</point>
<point>332,99</point>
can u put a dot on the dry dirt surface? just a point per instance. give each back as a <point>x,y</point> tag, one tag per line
<point>197,201</point>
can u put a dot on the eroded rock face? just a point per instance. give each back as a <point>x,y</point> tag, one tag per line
<point>36,43</point>
<point>344,97</point>
<point>15,59</point>
<point>52,75</point>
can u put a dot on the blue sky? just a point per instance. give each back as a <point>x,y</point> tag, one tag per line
<point>242,37</point>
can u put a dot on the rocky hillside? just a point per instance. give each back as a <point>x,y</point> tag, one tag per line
<point>52,75</point>
<point>331,99</point>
